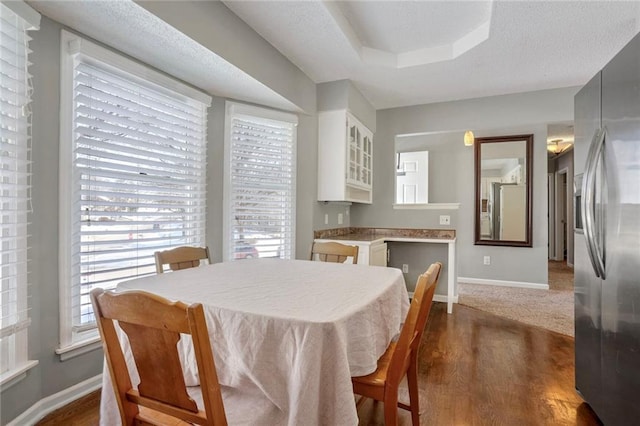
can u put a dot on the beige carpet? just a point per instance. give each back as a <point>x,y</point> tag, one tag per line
<point>551,309</point>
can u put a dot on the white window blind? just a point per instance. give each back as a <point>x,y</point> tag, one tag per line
<point>260,220</point>
<point>15,181</point>
<point>138,179</point>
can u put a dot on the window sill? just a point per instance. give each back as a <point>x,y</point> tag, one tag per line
<point>12,377</point>
<point>79,348</point>
<point>429,206</point>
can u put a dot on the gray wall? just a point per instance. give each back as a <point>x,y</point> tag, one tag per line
<point>308,210</point>
<point>418,259</point>
<point>215,177</point>
<point>342,94</point>
<point>499,115</point>
<point>333,95</point>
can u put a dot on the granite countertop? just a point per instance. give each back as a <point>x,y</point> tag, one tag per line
<point>372,234</point>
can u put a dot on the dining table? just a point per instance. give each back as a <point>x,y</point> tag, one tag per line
<point>287,335</point>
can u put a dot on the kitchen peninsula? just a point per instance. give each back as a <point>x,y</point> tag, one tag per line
<point>372,244</point>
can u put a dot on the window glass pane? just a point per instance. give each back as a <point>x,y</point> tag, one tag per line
<point>139,175</point>
<point>15,97</point>
<point>262,188</point>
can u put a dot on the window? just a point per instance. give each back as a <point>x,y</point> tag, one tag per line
<point>15,182</point>
<point>134,159</point>
<point>260,152</point>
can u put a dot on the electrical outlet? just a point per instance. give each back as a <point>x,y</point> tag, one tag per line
<point>326,218</point>
<point>340,218</point>
<point>487,260</point>
<point>445,220</point>
<point>405,268</point>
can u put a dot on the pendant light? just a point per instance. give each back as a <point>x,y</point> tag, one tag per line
<point>468,138</point>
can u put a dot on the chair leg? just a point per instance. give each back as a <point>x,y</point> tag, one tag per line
<point>414,395</point>
<point>391,408</point>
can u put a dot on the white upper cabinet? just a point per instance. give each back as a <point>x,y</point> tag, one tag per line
<point>345,158</point>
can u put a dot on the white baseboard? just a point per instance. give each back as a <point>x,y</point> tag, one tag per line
<point>443,298</point>
<point>438,298</point>
<point>519,284</point>
<point>51,403</point>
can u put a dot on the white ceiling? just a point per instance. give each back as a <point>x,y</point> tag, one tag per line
<point>397,53</point>
<point>400,28</point>
<point>531,45</point>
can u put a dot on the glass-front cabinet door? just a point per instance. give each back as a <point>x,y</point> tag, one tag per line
<point>353,135</point>
<point>359,150</point>
<point>366,161</point>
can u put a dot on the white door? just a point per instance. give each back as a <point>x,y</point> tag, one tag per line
<point>412,178</point>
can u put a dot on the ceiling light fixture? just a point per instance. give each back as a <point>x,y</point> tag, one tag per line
<point>468,138</point>
<point>558,146</point>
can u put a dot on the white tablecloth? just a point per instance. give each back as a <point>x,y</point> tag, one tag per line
<point>287,334</point>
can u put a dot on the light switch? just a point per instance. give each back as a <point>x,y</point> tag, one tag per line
<point>326,218</point>
<point>340,218</point>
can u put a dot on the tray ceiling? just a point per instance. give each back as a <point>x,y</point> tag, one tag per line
<point>405,53</point>
<point>397,53</point>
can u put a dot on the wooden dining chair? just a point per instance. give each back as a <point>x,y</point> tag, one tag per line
<point>181,258</point>
<point>401,357</point>
<point>153,326</point>
<point>333,252</point>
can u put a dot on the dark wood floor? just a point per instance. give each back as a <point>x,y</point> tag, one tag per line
<point>475,369</point>
<point>83,412</point>
<point>480,369</point>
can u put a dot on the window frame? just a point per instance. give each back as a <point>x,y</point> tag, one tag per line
<point>75,342</point>
<point>236,109</point>
<point>16,349</point>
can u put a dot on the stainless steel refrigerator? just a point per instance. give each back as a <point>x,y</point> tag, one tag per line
<point>607,239</point>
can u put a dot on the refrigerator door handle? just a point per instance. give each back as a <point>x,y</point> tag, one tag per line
<point>598,227</point>
<point>588,200</point>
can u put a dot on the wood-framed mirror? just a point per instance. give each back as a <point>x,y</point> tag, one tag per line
<point>503,190</point>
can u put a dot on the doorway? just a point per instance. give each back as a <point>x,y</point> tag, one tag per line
<point>563,199</point>
<point>560,187</point>
<point>551,214</point>
<point>560,208</point>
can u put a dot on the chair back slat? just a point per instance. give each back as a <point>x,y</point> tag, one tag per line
<point>155,353</point>
<point>333,252</point>
<point>181,258</point>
